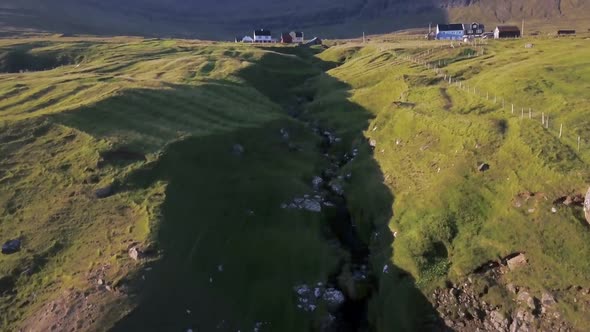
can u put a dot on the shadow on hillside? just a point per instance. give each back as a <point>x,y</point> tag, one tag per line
<point>348,20</point>
<point>145,120</point>
<point>230,254</point>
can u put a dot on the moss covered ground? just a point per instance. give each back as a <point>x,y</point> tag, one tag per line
<point>180,107</point>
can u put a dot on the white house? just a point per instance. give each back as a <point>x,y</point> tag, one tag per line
<point>247,39</point>
<point>452,31</point>
<point>262,36</point>
<point>297,36</point>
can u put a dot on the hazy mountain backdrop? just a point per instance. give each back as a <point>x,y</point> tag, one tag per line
<point>223,19</point>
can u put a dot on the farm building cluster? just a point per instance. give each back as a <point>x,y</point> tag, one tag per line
<point>465,32</point>
<point>265,36</point>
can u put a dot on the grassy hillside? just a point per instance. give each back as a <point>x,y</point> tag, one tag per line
<point>431,137</point>
<point>173,111</point>
<point>188,138</point>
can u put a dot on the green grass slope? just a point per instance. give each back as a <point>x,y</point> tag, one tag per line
<point>430,137</point>
<point>181,108</point>
<point>158,121</point>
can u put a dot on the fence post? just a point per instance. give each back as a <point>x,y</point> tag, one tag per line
<point>530,113</point>
<point>547,122</point>
<point>542,118</point>
<point>560,129</point>
<point>578,143</point>
<point>522,113</point>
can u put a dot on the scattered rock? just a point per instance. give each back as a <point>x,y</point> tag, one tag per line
<point>306,203</point>
<point>311,205</point>
<point>568,200</point>
<point>317,182</point>
<point>526,298</point>
<point>517,261</point>
<point>337,188</point>
<point>499,321</point>
<point>511,288</point>
<point>553,209</point>
<point>307,298</point>
<point>135,253</point>
<point>284,134</point>
<point>548,300</point>
<point>329,138</point>
<point>373,143</point>
<point>333,298</point>
<point>238,150</point>
<point>104,192</point>
<point>11,247</point>
<point>483,167</point>
<point>524,197</point>
<point>100,282</point>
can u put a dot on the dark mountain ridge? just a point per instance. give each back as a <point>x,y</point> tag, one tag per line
<point>224,19</point>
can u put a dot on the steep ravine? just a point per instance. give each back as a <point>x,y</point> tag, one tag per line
<point>354,277</point>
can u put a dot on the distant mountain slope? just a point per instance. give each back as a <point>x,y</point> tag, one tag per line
<point>227,18</point>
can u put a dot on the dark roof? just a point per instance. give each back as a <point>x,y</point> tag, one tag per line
<point>262,32</point>
<point>450,27</point>
<point>508,28</point>
<point>298,34</point>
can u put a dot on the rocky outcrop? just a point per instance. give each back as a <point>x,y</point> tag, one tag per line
<point>466,307</point>
<point>463,309</point>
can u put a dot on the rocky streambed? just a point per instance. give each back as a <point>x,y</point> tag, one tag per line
<point>346,293</point>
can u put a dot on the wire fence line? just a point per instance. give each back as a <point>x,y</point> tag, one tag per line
<point>503,103</point>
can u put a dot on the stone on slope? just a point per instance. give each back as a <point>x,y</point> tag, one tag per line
<point>11,247</point>
<point>516,261</point>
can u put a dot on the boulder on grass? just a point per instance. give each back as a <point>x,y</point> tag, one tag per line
<point>104,192</point>
<point>135,253</point>
<point>11,247</point>
<point>516,261</point>
<point>483,167</point>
